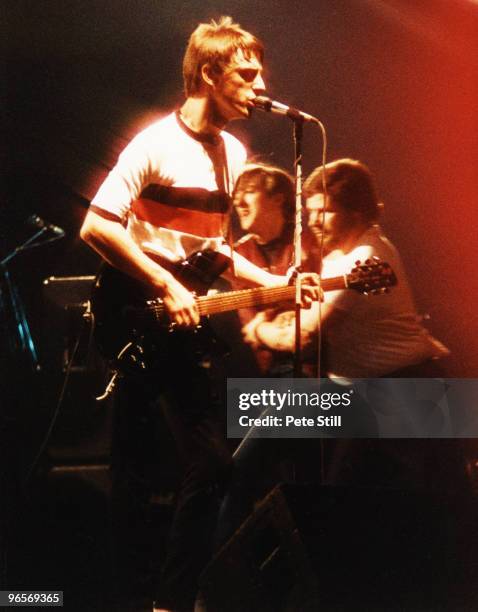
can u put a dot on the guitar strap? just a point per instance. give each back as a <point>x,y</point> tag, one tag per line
<point>216,150</point>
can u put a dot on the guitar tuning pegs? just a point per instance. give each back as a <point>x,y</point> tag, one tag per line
<point>375,258</point>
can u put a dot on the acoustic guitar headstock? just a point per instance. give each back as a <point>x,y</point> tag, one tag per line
<point>373,277</point>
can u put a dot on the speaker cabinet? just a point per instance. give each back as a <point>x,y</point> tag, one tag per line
<point>265,566</point>
<point>309,548</point>
<point>73,374</point>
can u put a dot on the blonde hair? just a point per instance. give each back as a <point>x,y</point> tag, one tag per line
<point>215,43</point>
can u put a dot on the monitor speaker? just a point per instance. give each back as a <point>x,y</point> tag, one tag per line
<point>311,547</point>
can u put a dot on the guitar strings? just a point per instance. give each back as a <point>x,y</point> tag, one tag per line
<point>221,302</point>
<point>243,298</point>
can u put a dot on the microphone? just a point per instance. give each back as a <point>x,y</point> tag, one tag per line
<point>37,221</point>
<point>272,106</point>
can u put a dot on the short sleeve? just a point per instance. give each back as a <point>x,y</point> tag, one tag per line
<point>125,181</point>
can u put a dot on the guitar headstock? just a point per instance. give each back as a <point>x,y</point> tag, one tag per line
<point>371,277</point>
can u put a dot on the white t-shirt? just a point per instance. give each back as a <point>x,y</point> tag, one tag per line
<point>163,186</point>
<point>379,333</point>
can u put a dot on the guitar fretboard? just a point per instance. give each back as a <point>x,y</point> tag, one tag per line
<point>247,298</point>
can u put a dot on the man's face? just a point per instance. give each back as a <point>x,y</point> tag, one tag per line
<point>237,86</point>
<point>334,225</point>
<point>258,211</point>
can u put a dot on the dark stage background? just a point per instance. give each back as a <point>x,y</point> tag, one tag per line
<point>394,82</point>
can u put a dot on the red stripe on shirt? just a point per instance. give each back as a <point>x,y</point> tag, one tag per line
<point>198,223</point>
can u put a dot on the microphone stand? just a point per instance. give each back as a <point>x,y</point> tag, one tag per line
<point>298,117</point>
<point>298,120</point>
<point>23,247</point>
<point>18,333</point>
<point>298,132</point>
<point>12,311</point>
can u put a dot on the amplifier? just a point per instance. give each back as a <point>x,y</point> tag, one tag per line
<point>69,356</point>
<point>65,301</point>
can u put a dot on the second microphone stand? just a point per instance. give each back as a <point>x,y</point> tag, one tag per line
<point>298,131</point>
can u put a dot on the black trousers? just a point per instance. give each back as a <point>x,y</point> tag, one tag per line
<point>190,394</point>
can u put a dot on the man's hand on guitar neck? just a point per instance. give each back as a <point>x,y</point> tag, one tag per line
<point>248,271</point>
<point>310,287</point>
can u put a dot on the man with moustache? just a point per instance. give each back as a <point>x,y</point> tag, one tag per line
<point>364,336</point>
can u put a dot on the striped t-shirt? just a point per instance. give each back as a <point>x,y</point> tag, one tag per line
<point>166,188</point>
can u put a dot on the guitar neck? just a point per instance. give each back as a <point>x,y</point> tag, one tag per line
<point>259,296</point>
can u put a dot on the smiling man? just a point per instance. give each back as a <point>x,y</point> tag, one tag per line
<point>167,198</point>
<point>264,201</point>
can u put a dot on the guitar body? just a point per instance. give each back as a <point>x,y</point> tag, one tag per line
<point>118,305</point>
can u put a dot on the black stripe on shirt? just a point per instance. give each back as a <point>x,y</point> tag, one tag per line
<point>191,198</point>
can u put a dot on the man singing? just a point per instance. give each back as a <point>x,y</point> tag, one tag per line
<point>166,198</point>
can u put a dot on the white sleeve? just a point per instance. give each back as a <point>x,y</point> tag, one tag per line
<point>126,180</point>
